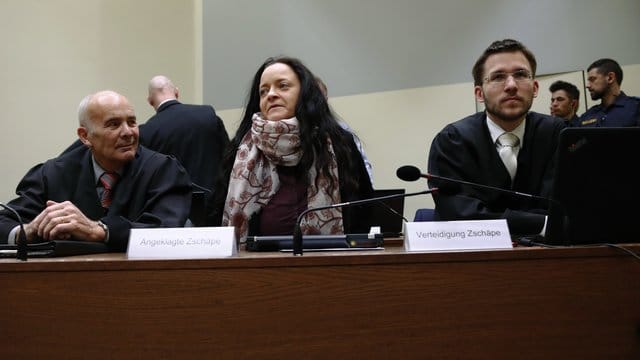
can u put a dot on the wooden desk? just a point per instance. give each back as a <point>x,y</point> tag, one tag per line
<point>519,303</point>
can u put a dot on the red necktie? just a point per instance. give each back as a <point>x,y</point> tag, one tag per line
<point>108,181</point>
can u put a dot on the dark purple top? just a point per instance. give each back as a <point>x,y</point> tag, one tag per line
<point>279,216</point>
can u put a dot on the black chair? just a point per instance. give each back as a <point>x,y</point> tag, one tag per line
<point>424,215</point>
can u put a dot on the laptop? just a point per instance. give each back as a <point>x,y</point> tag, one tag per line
<point>596,193</point>
<point>388,214</point>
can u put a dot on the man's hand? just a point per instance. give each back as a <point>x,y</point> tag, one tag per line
<point>62,221</point>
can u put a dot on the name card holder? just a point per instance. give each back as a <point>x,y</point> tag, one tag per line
<point>457,235</point>
<point>182,243</point>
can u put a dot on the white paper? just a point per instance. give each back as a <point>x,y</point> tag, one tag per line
<point>182,243</point>
<point>457,235</point>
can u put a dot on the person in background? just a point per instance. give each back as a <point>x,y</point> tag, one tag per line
<point>102,189</point>
<point>565,99</point>
<point>194,134</point>
<point>290,154</point>
<point>505,146</point>
<point>345,126</point>
<point>616,109</point>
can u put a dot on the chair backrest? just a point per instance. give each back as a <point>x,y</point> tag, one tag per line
<point>198,208</point>
<point>424,215</point>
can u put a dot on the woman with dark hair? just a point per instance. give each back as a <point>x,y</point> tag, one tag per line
<point>290,154</point>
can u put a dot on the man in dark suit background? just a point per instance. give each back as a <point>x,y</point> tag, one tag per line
<point>194,134</point>
<point>100,190</point>
<point>472,149</point>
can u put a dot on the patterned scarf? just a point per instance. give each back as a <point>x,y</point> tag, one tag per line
<point>254,178</point>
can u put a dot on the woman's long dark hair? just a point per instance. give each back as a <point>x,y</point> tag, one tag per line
<point>317,121</point>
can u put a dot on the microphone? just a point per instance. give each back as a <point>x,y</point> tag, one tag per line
<point>21,254</point>
<point>412,173</point>
<point>297,232</point>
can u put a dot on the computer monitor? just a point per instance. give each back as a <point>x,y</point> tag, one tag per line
<point>596,194</point>
<point>388,214</point>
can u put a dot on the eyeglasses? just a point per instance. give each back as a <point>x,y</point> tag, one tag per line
<point>499,78</point>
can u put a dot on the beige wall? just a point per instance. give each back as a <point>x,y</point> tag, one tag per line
<point>56,52</point>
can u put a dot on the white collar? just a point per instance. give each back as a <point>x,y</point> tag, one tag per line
<point>495,130</point>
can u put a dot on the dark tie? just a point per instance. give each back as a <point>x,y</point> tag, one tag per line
<point>108,181</point>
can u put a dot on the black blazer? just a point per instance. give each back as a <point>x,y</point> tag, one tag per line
<point>464,150</point>
<point>153,191</point>
<point>194,134</point>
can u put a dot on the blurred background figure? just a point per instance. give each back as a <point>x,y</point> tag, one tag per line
<point>565,99</point>
<point>346,126</point>
<point>194,134</point>
<point>616,109</point>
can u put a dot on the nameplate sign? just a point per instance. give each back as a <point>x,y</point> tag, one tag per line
<point>457,235</point>
<point>182,243</point>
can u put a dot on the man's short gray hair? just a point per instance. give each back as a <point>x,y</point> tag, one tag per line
<point>83,111</point>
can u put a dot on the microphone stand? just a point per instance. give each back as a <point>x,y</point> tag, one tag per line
<point>481,186</point>
<point>21,254</point>
<point>297,232</point>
